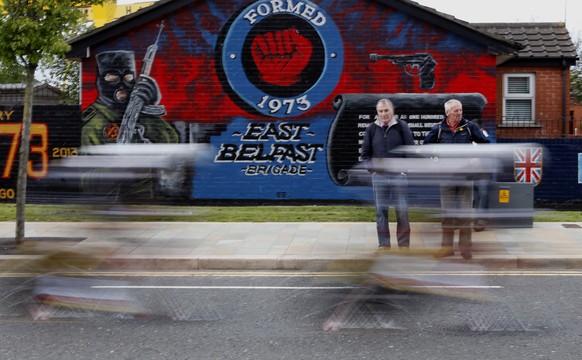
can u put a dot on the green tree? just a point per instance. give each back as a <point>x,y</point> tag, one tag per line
<point>576,75</point>
<point>65,74</point>
<point>576,85</point>
<point>32,31</point>
<point>11,74</point>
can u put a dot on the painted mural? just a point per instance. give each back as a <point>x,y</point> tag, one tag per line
<point>281,89</point>
<point>54,135</point>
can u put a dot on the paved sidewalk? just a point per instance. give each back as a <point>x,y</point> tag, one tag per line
<point>283,246</point>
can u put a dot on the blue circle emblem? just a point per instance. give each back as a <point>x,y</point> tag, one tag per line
<point>282,58</point>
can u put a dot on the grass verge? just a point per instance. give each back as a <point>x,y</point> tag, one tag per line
<point>261,213</point>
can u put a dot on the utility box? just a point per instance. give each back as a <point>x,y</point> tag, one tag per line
<point>510,205</point>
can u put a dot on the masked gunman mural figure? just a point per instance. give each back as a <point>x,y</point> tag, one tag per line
<point>116,81</point>
<point>127,110</point>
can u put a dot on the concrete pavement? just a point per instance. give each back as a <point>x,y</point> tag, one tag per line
<point>279,246</point>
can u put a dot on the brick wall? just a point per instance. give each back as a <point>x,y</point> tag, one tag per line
<point>551,122</point>
<point>575,118</point>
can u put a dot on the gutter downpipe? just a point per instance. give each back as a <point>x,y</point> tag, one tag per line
<point>564,98</point>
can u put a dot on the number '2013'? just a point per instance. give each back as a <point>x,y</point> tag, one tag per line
<point>61,152</point>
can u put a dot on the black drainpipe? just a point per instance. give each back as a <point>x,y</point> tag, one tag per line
<point>564,97</point>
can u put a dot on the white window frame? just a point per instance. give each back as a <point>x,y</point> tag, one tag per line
<point>531,96</point>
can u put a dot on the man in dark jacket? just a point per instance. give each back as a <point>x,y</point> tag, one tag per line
<point>456,199</point>
<point>380,138</point>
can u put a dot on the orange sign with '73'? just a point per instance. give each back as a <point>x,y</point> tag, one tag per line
<point>38,148</point>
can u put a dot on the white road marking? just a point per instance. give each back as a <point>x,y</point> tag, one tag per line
<point>278,287</point>
<point>224,287</point>
<point>460,287</point>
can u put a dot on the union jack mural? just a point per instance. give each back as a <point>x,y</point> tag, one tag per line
<point>527,165</point>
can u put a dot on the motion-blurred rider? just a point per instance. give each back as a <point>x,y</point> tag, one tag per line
<point>456,198</point>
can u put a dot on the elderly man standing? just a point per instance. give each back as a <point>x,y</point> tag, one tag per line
<point>456,199</point>
<point>380,138</point>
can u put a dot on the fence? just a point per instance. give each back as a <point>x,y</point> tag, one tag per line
<point>547,128</point>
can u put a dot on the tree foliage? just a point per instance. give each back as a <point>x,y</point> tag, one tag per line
<point>12,74</point>
<point>576,75</point>
<point>65,74</point>
<point>32,31</point>
<point>576,85</point>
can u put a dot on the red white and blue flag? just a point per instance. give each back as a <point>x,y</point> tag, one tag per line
<point>527,165</point>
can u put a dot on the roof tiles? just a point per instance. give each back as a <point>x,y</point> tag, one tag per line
<point>541,40</point>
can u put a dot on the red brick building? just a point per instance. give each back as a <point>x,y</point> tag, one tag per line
<point>576,118</point>
<point>533,87</point>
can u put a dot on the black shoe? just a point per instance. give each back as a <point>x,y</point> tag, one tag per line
<point>478,227</point>
<point>466,255</point>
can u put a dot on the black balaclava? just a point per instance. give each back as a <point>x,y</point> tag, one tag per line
<point>115,78</point>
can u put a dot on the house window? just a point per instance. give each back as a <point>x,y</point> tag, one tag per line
<point>519,99</point>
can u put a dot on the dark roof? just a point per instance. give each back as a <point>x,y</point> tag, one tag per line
<point>541,40</point>
<point>496,44</point>
<point>44,94</point>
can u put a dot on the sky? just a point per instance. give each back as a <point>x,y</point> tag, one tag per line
<point>568,11</point>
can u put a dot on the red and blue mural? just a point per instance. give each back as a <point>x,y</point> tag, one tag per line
<point>281,89</point>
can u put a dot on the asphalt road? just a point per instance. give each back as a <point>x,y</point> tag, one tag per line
<point>277,315</point>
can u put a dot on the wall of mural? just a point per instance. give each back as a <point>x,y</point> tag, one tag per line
<point>54,136</point>
<point>282,91</point>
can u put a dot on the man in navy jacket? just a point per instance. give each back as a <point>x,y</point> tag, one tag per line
<point>456,199</point>
<point>380,138</point>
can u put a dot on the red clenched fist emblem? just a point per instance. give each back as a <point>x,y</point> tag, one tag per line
<point>281,56</point>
